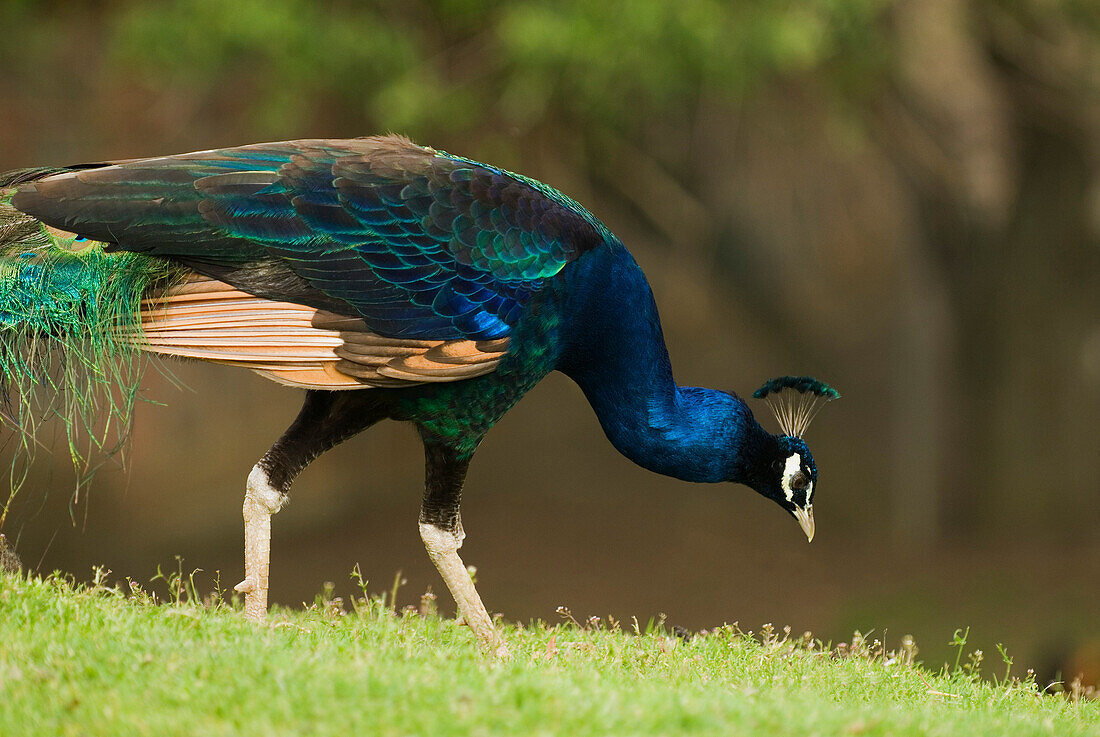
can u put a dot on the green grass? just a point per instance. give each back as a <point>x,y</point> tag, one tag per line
<point>94,660</point>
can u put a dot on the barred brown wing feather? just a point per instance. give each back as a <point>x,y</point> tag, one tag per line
<point>292,344</point>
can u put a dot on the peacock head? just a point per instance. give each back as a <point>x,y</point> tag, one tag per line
<point>791,475</point>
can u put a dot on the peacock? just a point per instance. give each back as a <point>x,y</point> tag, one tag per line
<point>388,280</point>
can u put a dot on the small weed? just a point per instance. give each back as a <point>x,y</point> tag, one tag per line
<point>958,641</point>
<point>398,582</point>
<point>181,589</point>
<point>1008,665</point>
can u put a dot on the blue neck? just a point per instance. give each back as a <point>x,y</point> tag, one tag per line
<point>616,353</point>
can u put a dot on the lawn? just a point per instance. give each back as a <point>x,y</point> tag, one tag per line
<point>96,660</point>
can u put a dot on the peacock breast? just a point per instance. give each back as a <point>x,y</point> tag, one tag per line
<point>459,414</point>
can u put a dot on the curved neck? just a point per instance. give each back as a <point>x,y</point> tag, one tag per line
<point>616,353</point>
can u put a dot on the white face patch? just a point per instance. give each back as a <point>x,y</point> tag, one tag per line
<point>793,466</point>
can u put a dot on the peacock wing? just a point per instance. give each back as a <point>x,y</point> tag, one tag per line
<point>415,242</point>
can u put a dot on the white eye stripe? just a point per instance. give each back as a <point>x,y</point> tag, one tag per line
<point>793,466</point>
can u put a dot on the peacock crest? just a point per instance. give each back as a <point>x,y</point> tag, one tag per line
<point>796,400</point>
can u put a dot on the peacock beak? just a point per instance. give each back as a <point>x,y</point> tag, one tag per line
<point>805,518</point>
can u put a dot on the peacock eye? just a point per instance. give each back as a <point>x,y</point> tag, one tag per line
<point>799,481</point>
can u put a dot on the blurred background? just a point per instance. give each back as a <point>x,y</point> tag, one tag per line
<point>901,198</point>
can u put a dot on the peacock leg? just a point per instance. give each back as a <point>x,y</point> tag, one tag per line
<point>326,419</point>
<point>261,500</point>
<point>441,531</point>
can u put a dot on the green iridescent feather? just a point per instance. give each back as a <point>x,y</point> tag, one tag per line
<point>64,303</point>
